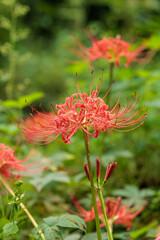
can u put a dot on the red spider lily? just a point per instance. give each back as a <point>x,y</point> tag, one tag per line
<point>39,126</point>
<point>81,111</point>
<point>116,214</point>
<point>112,49</point>
<point>9,164</point>
<point>121,214</point>
<point>86,215</point>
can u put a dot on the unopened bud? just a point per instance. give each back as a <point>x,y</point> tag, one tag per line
<point>110,170</point>
<point>98,168</point>
<point>86,171</point>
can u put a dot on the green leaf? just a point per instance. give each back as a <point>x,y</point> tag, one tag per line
<point>21,10</point>
<point>61,157</point>
<point>74,236</point>
<point>23,101</point>
<point>71,221</point>
<point>5,48</point>
<point>5,22</point>
<point>79,67</point>
<point>41,182</point>
<point>122,236</point>
<point>153,103</point>
<point>22,34</point>
<point>66,221</point>
<point>142,230</point>
<point>52,233</point>
<point>148,192</point>
<point>9,128</point>
<point>151,233</point>
<point>3,222</point>
<point>113,156</point>
<point>93,236</point>
<point>52,225</point>
<point>10,229</point>
<point>133,194</point>
<point>154,42</point>
<point>31,97</point>
<point>51,221</point>
<point>8,2</point>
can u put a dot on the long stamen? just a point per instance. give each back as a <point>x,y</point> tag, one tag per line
<point>108,90</point>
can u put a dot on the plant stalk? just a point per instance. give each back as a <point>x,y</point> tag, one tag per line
<point>92,187</point>
<point>22,206</point>
<point>110,236</point>
<point>111,68</point>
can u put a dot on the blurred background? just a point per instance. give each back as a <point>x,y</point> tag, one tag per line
<point>36,65</point>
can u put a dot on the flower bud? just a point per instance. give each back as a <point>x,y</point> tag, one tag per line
<point>110,170</point>
<point>98,168</point>
<point>86,171</point>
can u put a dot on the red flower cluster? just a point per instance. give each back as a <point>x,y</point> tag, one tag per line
<point>121,214</point>
<point>111,49</point>
<point>116,214</point>
<point>9,164</point>
<point>81,111</point>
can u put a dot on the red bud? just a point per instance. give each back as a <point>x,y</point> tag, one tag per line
<point>110,170</point>
<point>98,168</point>
<point>86,171</point>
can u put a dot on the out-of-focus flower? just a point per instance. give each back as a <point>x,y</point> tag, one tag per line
<point>81,111</point>
<point>9,164</point>
<point>86,215</point>
<point>121,214</point>
<point>116,213</point>
<point>112,49</point>
<point>36,123</point>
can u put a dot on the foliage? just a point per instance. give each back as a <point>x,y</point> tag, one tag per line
<point>52,225</point>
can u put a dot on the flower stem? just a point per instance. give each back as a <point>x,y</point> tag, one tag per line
<point>92,187</point>
<point>111,68</point>
<point>22,206</point>
<point>110,237</point>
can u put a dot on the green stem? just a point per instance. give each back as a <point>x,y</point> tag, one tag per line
<point>92,187</point>
<point>111,68</point>
<point>22,206</point>
<point>110,237</point>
